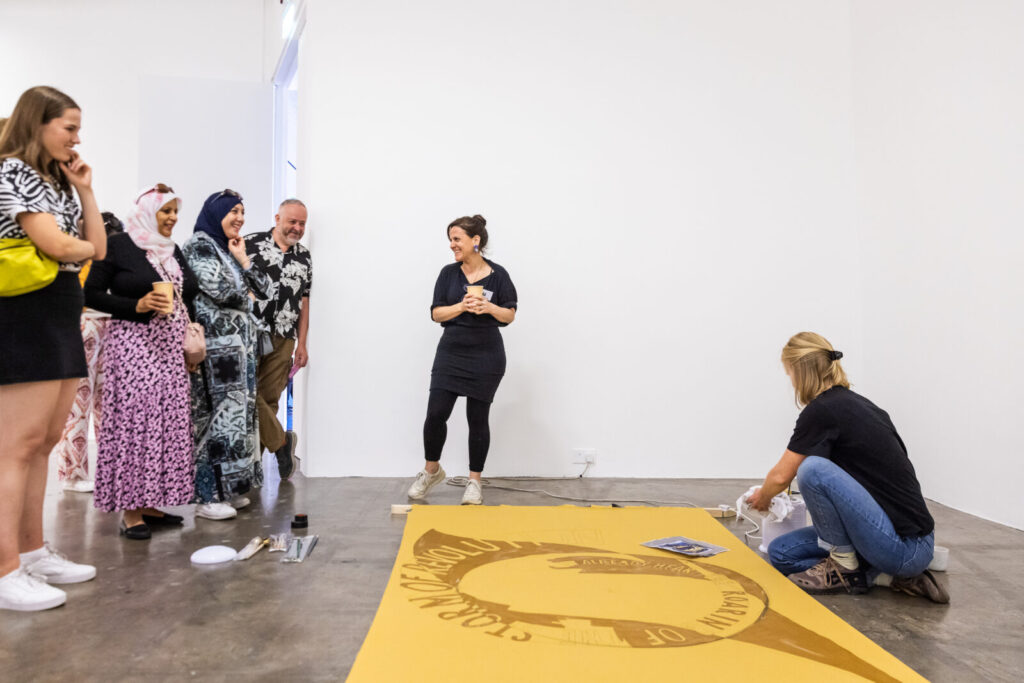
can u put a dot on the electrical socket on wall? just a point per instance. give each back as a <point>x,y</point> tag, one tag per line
<point>584,456</point>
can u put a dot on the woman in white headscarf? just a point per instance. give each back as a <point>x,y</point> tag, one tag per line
<point>145,445</point>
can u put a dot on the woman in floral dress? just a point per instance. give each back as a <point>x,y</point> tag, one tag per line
<point>145,446</point>
<point>224,391</point>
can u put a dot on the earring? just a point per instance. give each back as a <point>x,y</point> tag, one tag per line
<point>476,247</point>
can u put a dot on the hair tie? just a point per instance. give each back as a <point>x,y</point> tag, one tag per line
<point>835,355</point>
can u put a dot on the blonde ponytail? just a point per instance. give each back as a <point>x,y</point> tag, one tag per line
<point>814,365</point>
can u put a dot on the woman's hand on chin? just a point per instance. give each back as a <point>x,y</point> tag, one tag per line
<point>78,173</point>
<point>236,245</point>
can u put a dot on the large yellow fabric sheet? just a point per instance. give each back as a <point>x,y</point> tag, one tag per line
<point>569,594</point>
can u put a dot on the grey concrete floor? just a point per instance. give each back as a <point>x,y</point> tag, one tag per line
<point>151,616</point>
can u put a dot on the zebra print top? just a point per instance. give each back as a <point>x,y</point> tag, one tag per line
<point>23,190</point>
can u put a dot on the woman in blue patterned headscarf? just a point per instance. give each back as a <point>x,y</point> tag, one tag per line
<point>224,392</point>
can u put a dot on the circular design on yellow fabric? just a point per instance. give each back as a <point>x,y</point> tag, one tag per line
<point>606,599</point>
<point>580,595</point>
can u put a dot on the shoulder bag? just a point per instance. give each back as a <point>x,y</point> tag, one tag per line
<point>194,342</point>
<point>23,267</point>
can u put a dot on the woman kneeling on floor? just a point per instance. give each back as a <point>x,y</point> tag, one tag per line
<point>870,521</point>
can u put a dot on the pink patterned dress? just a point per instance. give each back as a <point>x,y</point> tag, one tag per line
<point>145,443</point>
<point>72,451</point>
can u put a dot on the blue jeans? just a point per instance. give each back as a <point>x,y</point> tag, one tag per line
<point>846,518</point>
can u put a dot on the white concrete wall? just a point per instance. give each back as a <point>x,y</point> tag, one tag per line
<point>670,186</point>
<point>167,92</point>
<point>675,187</point>
<point>940,170</point>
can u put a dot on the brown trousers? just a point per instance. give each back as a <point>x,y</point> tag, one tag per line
<point>273,378</point>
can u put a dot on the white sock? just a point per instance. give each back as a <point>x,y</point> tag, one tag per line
<point>33,555</point>
<point>846,560</point>
<point>883,580</point>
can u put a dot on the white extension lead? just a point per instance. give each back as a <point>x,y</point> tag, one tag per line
<point>461,482</point>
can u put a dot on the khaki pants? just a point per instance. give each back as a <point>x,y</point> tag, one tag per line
<point>273,378</point>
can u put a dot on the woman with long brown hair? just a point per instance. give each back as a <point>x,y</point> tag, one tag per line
<point>41,351</point>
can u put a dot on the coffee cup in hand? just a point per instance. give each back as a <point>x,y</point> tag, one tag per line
<point>167,289</point>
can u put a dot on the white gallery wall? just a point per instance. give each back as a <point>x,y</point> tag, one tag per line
<point>170,92</point>
<point>676,187</point>
<point>670,186</point>
<point>940,172</point>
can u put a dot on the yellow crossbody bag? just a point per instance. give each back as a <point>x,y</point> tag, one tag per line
<point>23,268</point>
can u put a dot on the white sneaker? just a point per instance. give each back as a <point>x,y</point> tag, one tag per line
<point>215,511</point>
<point>79,485</point>
<point>424,482</point>
<point>53,567</point>
<point>240,502</point>
<point>474,494</point>
<point>23,592</point>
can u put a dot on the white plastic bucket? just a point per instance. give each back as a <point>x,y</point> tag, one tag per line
<point>940,560</point>
<point>770,529</point>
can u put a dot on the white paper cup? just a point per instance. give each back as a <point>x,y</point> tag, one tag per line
<point>940,560</point>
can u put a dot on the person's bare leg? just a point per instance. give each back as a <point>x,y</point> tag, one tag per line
<point>26,410</point>
<point>133,517</point>
<point>31,530</point>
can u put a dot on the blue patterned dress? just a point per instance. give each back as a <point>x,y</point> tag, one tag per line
<point>224,392</point>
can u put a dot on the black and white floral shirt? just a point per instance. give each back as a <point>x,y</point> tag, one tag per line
<point>291,273</point>
<point>23,190</point>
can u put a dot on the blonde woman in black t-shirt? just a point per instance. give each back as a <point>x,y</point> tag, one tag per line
<point>870,521</point>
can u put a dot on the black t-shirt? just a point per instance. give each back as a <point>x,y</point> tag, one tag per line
<point>859,437</point>
<point>451,287</point>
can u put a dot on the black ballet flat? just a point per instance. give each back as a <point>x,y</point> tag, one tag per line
<point>137,532</point>
<point>167,519</point>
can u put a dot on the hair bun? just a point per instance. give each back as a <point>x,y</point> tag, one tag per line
<point>481,220</point>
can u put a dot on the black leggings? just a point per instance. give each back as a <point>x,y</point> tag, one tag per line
<point>435,428</point>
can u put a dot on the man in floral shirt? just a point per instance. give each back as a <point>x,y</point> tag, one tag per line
<point>286,316</point>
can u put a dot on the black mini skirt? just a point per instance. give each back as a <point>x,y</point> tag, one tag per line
<point>470,361</point>
<point>41,333</point>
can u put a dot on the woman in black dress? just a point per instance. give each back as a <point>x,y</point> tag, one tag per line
<point>473,297</point>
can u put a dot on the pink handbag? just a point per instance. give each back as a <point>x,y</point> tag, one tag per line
<point>194,343</point>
